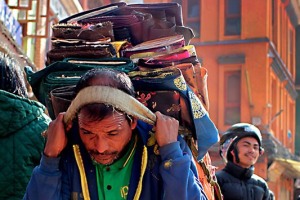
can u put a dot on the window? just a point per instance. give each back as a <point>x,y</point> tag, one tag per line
<point>35,14</point>
<point>20,4</point>
<point>191,14</point>
<point>232,99</point>
<point>274,22</point>
<point>274,107</point>
<point>292,119</point>
<point>291,51</point>
<point>232,17</point>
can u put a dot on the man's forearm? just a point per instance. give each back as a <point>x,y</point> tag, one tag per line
<point>180,179</point>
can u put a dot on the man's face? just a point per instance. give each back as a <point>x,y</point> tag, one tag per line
<point>105,139</point>
<point>248,152</point>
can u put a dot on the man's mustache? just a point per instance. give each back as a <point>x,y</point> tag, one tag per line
<point>95,152</point>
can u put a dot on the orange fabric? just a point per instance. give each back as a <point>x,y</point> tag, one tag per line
<point>208,188</point>
<point>196,78</point>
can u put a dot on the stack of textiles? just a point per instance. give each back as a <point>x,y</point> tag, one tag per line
<point>148,42</point>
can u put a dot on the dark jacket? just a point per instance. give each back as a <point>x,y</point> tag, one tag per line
<point>170,175</point>
<point>239,183</point>
<point>21,123</point>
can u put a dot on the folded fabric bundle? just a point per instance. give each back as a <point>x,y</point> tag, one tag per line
<point>154,86</point>
<point>68,72</point>
<point>61,98</point>
<point>133,25</point>
<point>155,64</point>
<point>84,51</point>
<point>89,32</point>
<point>64,43</point>
<point>171,12</point>
<point>147,41</point>
<point>66,31</point>
<point>100,11</point>
<point>147,55</point>
<point>157,45</point>
<point>142,22</point>
<point>160,60</point>
<point>196,78</point>
<point>167,20</point>
<point>116,20</point>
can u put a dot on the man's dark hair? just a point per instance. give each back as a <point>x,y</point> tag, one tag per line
<point>12,79</point>
<point>110,77</point>
<point>105,77</point>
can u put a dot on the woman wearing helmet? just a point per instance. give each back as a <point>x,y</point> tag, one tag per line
<point>240,147</point>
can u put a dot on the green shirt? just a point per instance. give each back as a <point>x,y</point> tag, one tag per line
<point>113,180</point>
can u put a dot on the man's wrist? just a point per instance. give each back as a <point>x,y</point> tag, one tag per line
<point>49,165</point>
<point>50,155</point>
<point>171,151</point>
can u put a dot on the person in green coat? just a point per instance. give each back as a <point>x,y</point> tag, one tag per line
<point>22,122</point>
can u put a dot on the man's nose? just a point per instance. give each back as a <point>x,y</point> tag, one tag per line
<point>100,144</point>
<point>252,149</point>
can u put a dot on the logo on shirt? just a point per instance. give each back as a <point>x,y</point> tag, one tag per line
<point>124,192</point>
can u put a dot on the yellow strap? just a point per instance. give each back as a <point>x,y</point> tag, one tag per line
<point>84,185</point>
<point>143,169</point>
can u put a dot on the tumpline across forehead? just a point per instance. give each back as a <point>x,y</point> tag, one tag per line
<point>98,111</point>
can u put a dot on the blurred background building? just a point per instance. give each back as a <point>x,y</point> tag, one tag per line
<point>249,47</point>
<point>28,26</point>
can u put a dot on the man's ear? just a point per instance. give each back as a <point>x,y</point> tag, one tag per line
<point>133,123</point>
<point>261,151</point>
<point>232,153</point>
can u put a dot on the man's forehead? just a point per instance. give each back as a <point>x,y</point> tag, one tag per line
<point>114,114</point>
<point>250,140</point>
<point>112,121</point>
